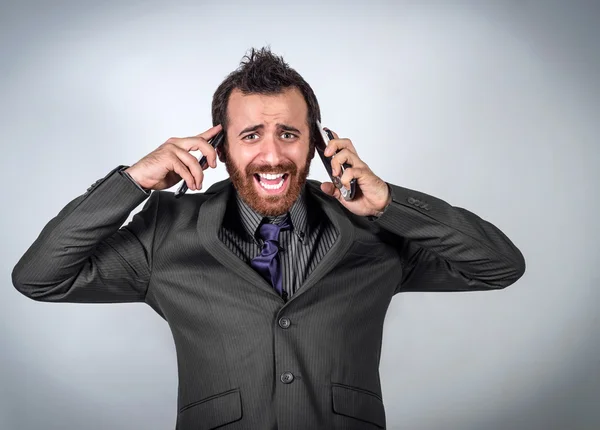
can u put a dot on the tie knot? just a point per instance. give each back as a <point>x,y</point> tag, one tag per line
<point>270,231</point>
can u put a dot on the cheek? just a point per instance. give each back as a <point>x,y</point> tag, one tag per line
<point>298,154</point>
<point>241,157</point>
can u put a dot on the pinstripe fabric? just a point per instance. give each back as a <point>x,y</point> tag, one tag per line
<point>303,247</point>
<point>245,359</point>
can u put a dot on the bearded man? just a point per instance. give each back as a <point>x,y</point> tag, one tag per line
<point>274,286</point>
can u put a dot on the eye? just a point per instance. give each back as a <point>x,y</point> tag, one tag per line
<point>288,135</point>
<point>250,135</point>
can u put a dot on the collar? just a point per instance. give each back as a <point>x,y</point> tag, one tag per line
<point>251,220</point>
<point>217,211</point>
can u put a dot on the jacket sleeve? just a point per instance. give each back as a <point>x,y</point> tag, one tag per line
<point>84,255</point>
<point>447,248</point>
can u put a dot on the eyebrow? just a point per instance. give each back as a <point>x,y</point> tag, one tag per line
<point>256,127</point>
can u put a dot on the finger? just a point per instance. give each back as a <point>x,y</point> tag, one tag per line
<point>207,135</point>
<point>330,189</point>
<point>351,173</point>
<point>198,144</point>
<point>344,156</point>
<point>209,152</point>
<point>335,145</point>
<point>181,169</point>
<point>192,165</point>
<point>211,132</point>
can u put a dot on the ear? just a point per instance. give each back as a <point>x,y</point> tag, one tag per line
<point>221,154</point>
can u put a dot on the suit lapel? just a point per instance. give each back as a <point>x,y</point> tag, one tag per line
<point>210,220</point>
<point>335,212</point>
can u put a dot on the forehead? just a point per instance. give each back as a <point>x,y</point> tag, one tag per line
<point>250,109</point>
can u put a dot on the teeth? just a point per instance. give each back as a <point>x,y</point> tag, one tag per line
<point>270,176</point>
<point>272,187</point>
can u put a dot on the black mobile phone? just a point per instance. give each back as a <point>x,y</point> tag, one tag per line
<point>214,142</point>
<point>321,144</point>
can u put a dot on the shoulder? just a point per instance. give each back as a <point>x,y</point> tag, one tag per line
<point>335,211</point>
<point>171,207</point>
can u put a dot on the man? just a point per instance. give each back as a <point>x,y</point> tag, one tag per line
<point>275,287</point>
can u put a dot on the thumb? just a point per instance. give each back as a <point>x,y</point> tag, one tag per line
<point>330,189</point>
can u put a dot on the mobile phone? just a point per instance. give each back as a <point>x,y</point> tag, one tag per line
<point>321,144</point>
<point>214,142</point>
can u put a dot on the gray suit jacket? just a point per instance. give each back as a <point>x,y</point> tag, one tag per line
<point>246,359</point>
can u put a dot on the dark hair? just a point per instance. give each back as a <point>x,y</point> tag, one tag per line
<point>262,72</point>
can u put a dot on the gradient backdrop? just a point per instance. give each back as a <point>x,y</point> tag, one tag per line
<point>491,106</point>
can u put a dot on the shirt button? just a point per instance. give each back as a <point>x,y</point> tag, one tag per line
<point>284,322</point>
<point>287,377</point>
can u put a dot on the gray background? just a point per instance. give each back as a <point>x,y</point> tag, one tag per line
<point>490,106</point>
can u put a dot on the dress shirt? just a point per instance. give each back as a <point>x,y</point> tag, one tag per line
<point>301,248</point>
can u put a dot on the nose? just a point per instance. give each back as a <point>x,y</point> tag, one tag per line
<point>271,150</point>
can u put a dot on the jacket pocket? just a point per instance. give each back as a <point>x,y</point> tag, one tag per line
<point>358,403</point>
<point>211,412</point>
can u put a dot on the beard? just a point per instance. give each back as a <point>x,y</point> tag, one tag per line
<point>243,181</point>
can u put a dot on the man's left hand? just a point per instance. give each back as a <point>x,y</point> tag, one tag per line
<point>372,193</point>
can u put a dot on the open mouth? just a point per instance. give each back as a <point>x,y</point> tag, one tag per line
<point>272,183</point>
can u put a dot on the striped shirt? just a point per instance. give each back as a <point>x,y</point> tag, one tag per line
<point>303,246</point>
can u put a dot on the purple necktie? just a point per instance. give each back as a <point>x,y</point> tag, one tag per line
<point>267,263</point>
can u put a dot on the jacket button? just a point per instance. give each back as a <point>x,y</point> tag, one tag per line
<point>284,322</point>
<point>287,377</point>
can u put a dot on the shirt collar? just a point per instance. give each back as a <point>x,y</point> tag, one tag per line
<point>252,220</point>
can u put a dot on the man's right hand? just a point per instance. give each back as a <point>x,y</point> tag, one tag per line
<point>172,161</point>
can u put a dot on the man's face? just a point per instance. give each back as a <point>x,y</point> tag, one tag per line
<point>267,151</point>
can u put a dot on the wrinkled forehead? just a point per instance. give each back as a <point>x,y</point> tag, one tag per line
<point>245,110</point>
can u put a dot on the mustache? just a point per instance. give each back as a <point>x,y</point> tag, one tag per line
<point>253,169</point>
